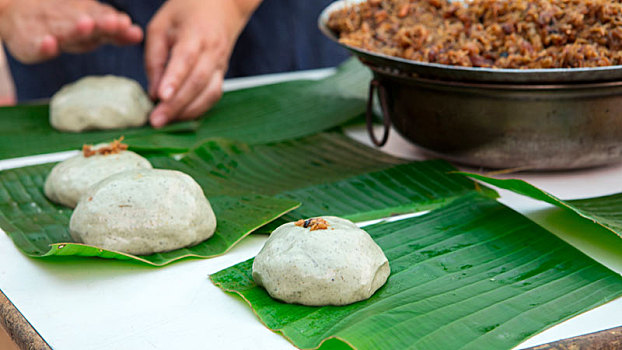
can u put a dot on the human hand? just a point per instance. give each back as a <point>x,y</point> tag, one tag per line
<point>35,30</point>
<point>187,50</point>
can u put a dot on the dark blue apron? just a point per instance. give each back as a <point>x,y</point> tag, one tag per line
<point>281,36</point>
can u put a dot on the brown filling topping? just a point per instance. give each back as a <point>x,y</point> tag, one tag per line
<point>487,33</point>
<point>114,147</point>
<point>313,224</point>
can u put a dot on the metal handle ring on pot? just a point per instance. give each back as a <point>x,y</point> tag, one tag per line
<point>386,120</point>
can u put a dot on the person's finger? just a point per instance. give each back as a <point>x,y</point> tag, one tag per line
<point>111,25</point>
<point>48,48</point>
<point>134,34</point>
<point>127,32</point>
<point>212,92</point>
<point>84,26</point>
<point>159,116</point>
<point>184,55</point>
<point>156,54</point>
<point>206,99</point>
<point>82,30</point>
<point>130,36</point>
<point>93,25</point>
<point>83,38</point>
<point>108,22</point>
<point>124,21</point>
<point>196,81</point>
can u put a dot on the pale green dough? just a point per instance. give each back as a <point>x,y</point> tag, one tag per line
<point>98,103</point>
<point>143,212</point>
<point>336,266</point>
<point>70,179</point>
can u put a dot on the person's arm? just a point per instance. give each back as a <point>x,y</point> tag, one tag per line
<point>35,30</point>
<point>188,44</point>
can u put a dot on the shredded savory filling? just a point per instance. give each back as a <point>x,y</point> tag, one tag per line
<point>487,33</point>
<point>114,147</point>
<point>313,224</point>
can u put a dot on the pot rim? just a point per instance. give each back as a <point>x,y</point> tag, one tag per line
<point>392,73</point>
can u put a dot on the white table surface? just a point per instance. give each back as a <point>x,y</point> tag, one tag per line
<point>108,304</point>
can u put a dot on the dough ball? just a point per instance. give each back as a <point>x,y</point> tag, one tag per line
<point>94,103</point>
<point>69,180</point>
<point>143,212</point>
<point>337,265</point>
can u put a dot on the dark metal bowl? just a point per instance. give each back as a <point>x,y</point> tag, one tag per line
<point>507,126</point>
<point>499,118</point>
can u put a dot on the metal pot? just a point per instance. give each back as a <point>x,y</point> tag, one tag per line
<point>498,118</point>
<point>502,125</point>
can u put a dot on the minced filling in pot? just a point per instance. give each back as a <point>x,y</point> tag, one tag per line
<point>487,33</point>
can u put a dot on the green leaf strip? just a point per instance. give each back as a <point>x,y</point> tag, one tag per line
<point>605,211</point>
<point>329,173</point>
<point>225,167</point>
<point>401,189</point>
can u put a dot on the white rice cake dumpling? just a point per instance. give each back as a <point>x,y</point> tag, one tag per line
<point>143,212</point>
<point>100,103</point>
<point>321,261</point>
<point>70,179</point>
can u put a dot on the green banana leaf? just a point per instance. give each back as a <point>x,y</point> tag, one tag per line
<point>40,228</point>
<point>470,275</point>
<point>352,80</point>
<point>257,115</point>
<point>225,167</point>
<point>329,173</point>
<point>25,131</point>
<point>401,189</point>
<point>603,211</point>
